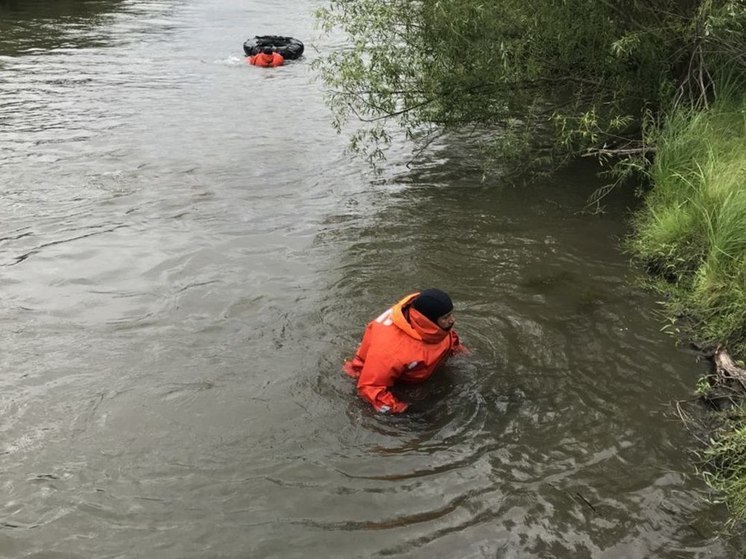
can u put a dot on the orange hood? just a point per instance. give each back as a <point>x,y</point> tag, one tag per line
<point>418,326</point>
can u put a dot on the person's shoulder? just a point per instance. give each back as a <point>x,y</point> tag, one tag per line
<point>387,337</point>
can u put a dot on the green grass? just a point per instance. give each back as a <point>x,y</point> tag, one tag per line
<point>691,233</point>
<point>725,467</point>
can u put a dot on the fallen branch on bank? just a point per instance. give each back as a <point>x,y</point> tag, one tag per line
<point>726,370</point>
<point>619,152</point>
<point>727,381</point>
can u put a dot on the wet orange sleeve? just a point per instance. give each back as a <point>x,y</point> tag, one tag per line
<point>457,348</point>
<point>378,375</point>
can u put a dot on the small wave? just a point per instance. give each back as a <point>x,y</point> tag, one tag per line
<point>230,61</point>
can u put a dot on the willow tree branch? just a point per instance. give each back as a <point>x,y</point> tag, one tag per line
<point>620,152</point>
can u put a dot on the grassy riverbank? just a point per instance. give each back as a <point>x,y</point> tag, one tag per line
<point>691,237</point>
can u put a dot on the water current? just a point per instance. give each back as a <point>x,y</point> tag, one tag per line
<point>187,254</point>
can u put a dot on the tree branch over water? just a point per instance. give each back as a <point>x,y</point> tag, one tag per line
<point>609,69</point>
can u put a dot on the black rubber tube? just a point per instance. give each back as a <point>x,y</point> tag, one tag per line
<point>288,47</point>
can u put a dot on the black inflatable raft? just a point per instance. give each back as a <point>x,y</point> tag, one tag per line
<point>288,47</point>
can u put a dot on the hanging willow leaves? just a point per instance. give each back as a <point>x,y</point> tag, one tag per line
<point>595,73</point>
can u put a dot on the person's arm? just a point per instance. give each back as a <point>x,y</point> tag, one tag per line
<point>377,377</point>
<point>457,348</point>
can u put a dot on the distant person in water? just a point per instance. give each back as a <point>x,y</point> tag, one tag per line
<point>267,58</point>
<point>404,344</point>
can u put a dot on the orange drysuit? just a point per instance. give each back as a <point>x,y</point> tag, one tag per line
<point>400,345</point>
<point>267,60</point>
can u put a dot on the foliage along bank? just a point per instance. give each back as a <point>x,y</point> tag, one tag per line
<point>598,75</point>
<point>691,233</point>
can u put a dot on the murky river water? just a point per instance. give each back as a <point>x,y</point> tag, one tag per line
<point>186,257</point>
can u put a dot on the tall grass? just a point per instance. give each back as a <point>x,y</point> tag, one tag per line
<point>692,231</point>
<point>725,464</point>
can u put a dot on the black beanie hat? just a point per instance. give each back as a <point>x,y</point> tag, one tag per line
<point>433,303</point>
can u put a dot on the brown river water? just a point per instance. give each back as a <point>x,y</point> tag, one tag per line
<point>187,254</point>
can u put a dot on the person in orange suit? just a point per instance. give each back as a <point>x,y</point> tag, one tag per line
<point>267,58</point>
<point>406,343</point>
